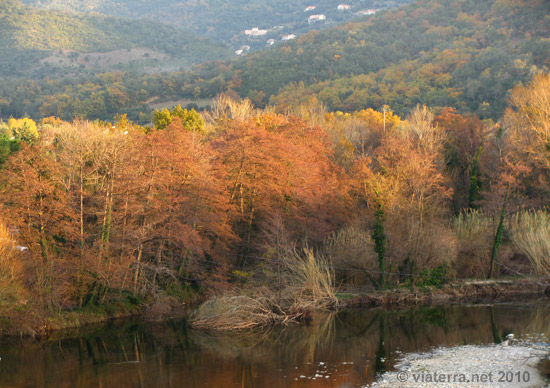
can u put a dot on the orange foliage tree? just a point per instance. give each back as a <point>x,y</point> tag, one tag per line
<point>278,165</point>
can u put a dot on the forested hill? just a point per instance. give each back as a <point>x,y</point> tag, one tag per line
<point>226,20</point>
<point>29,38</point>
<point>465,54</point>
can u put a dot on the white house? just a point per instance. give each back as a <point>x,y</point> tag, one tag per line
<point>344,7</point>
<point>316,18</point>
<point>310,8</point>
<point>243,50</point>
<point>288,37</point>
<point>270,42</point>
<point>255,32</point>
<point>367,12</point>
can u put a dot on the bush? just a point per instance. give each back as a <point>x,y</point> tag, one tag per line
<point>236,312</point>
<point>416,247</point>
<point>351,251</point>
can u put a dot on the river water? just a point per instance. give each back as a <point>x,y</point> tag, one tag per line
<point>347,349</point>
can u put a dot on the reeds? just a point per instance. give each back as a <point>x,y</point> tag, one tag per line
<point>308,285</point>
<point>531,236</point>
<point>474,230</point>
<point>237,312</point>
<point>310,281</point>
<point>472,225</point>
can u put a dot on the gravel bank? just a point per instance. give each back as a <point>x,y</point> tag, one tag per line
<point>470,366</point>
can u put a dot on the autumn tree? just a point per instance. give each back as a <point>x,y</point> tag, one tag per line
<point>406,194</point>
<point>181,226</point>
<point>35,203</point>
<point>466,148</point>
<point>527,123</point>
<point>279,165</point>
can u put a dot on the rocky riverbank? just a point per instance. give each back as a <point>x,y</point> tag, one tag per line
<point>504,366</point>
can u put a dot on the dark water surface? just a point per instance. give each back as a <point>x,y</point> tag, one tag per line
<point>346,349</point>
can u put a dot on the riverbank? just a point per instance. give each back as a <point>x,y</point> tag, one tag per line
<point>25,322</point>
<point>454,292</point>
<point>29,323</point>
<point>503,365</point>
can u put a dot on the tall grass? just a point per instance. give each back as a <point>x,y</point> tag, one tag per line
<point>236,312</point>
<point>474,231</point>
<point>531,236</point>
<point>308,285</point>
<point>472,225</point>
<point>310,281</point>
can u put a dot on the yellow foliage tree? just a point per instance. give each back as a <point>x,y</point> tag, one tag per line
<point>23,129</point>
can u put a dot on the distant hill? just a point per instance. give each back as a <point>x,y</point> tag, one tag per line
<point>465,54</point>
<point>226,20</point>
<point>38,42</point>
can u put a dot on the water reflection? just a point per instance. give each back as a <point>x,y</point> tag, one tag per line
<point>347,349</point>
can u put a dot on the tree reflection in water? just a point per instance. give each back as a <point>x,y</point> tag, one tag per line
<point>347,349</point>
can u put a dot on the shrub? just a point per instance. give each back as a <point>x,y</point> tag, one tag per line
<point>236,312</point>
<point>351,251</point>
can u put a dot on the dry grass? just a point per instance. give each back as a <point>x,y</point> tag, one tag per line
<point>474,230</point>
<point>225,107</point>
<point>238,312</point>
<point>308,286</point>
<point>472,225</point>
<point>531,236</point>
<point>310,281</point>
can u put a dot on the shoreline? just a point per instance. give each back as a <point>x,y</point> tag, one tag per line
<point>513,365</point>
<point>29,324</point>
<point>455,292</point>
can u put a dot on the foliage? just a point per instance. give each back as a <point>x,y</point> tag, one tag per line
<point>34,35</point>
<point>113,208</point>
<point>380,240</point>
<point>228,25</point>
<point>23,129</point>
<point>437,276</point>
<point>440,53</point>
<point>190,119</point>
<point>11,270</point>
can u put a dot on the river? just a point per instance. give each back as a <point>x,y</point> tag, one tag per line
<point>345,349</point>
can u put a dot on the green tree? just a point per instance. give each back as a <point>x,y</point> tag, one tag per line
<point>191,119</point>
<point>24,129</point>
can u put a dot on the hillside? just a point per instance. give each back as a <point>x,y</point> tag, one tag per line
<point>38,42</point>
<point>464,54</point>
<point>226,20</point>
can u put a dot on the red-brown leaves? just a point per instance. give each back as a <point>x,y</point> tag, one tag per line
<point>276,165</point>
